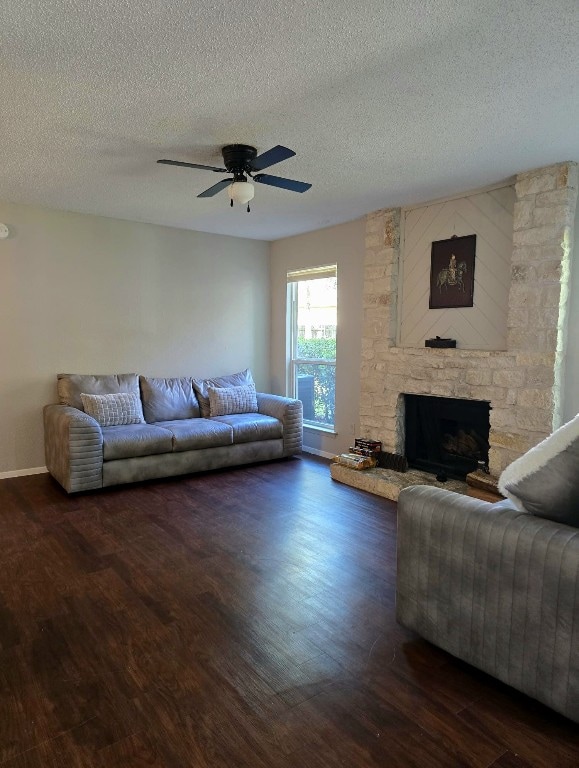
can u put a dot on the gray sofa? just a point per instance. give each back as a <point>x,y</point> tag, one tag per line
<point>177,434</point>
<point>494,586</point>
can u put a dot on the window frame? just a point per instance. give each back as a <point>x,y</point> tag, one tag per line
<point>293,280</point>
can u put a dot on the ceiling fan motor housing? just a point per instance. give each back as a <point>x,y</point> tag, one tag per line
<point>238,159</point>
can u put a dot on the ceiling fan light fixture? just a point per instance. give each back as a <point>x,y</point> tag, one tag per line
<point>241,192</point>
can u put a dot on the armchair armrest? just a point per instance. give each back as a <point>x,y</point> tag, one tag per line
<point>290,413</point>
<point>73,446</point>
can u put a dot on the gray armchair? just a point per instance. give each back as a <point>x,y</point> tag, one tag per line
<point>495,587</point>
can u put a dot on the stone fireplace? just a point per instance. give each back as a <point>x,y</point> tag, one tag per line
<point>523,382</point>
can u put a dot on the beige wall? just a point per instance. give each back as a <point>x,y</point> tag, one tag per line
<point>94,295</point>
<point>342,245</point>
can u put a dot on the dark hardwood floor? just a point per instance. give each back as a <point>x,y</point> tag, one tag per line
<point>237,618</point>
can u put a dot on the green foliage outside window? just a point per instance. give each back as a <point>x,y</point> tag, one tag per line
<point>320,349</point>
<point>319,404</point>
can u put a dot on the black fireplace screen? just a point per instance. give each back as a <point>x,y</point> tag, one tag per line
<point>446,435</point>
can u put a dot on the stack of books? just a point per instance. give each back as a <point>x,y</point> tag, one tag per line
<point>364,447</point>
<point>364,454</point>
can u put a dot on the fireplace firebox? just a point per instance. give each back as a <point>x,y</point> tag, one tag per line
<point>446,435</point>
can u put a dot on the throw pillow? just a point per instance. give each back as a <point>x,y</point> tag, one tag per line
<point>115,409</point>
<point>225,401</point>
<point>241,379</point>
<point>545,481</point>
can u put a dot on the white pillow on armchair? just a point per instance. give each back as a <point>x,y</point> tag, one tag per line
<point>545,481</point>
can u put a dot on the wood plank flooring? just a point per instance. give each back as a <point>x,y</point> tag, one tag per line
<point>236,618</point>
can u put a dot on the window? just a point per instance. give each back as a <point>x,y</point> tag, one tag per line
<point>312,321</point>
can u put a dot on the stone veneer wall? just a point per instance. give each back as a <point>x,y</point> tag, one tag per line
<point>523,383</point>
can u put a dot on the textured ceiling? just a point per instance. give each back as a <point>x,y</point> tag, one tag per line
<point>386,102</point>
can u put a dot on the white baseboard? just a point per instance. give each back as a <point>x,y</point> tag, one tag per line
<point>316,452</point>
<point>23,472</point>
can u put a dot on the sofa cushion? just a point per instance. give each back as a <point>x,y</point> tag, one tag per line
<point>224,401</point>
<point>114,409</point>
<point>70,386</point>
<point>194,434</point>
<point>241,379</point>
<point>126,442</point>
<point>545,481</point>
<point>248,427</point>
<point>168,399</point>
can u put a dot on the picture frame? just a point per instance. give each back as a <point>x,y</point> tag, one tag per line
<point>452,272</point>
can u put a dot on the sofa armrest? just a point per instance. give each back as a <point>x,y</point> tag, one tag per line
<point>290,413</point>
<point>495,587</point>
<point>73,446</point>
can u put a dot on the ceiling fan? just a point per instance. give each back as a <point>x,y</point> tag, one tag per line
<point>243,161</point>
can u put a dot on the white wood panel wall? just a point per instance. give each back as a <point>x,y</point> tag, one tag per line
<point>489,215</point>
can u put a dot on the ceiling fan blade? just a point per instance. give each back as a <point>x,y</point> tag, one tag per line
<point>193,165</point>
<point>216,188</point>
<point>271,157</point>
<point>277,181</point>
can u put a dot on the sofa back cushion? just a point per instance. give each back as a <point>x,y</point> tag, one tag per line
<point>168,399</point>
<point>201,387</point>
<point>70,386</point>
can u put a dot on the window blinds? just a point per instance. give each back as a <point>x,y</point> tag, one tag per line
<point>315,273</point>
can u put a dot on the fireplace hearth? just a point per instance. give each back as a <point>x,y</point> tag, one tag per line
<point>446,435</point>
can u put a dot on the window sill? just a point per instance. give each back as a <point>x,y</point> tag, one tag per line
<point>318,428</point>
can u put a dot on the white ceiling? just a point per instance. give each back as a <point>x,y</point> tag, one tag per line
<point>386,102</point>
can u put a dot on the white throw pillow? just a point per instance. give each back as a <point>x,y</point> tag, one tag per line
<point>241,379</point>
<point>226,401</point>
<point>114,410</point>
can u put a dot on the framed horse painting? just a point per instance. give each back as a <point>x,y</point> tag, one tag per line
<point>452,272</point>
